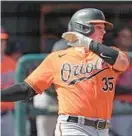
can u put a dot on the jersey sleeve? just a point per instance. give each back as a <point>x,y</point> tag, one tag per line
<point>42,77</point>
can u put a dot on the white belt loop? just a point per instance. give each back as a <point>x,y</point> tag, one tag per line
<point>81,120</point>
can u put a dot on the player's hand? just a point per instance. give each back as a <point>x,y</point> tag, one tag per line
<point>76,39</point>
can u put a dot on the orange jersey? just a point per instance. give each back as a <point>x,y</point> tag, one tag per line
<point>8,67</point>
<point>84,83</point>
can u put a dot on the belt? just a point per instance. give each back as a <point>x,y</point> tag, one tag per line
<point>98,124</point>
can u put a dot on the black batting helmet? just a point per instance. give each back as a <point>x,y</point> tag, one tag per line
<point>82,21</point>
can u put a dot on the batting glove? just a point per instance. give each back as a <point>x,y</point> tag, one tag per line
<point>76,39</point>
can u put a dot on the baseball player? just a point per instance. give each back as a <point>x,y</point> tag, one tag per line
<point>84,76</point>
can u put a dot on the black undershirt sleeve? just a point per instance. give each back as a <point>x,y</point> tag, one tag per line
<point>17,92</point>
<point>108,54</point>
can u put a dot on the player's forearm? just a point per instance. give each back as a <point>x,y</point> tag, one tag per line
<point>108,54</point>
<point>117,59</point>
<point>21,91</point>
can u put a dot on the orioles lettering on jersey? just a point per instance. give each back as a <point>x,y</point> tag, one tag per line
<point>86,71</point>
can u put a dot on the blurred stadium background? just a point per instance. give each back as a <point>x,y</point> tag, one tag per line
<point>34,28</point>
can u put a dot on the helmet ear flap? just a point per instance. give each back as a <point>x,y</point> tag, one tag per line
<point>88,29</point>
<point>85,29</point>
